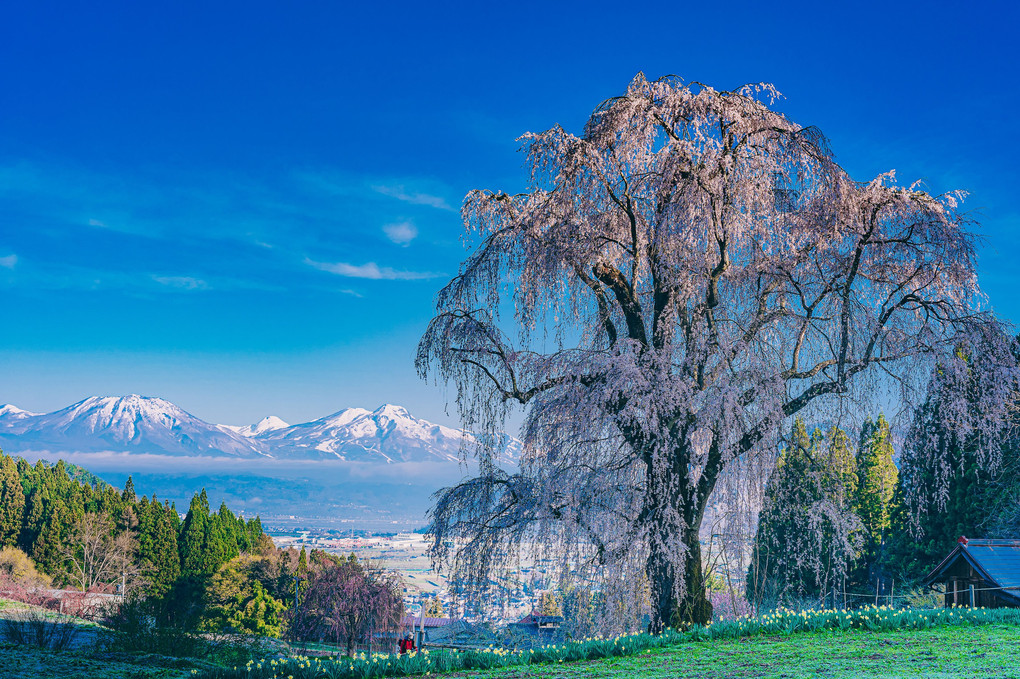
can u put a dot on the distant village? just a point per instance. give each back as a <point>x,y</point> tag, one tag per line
<point>404,553</point>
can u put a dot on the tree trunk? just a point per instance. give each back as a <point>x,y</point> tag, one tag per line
<point>692,607</point>
<point>674,506</point>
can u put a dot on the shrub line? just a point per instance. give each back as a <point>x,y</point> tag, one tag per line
<point>782,621</point>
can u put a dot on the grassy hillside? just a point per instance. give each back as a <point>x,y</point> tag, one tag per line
<point>979,651</point>
<point>940,644</point>
<point>83,657</point>
<point>940,653</point>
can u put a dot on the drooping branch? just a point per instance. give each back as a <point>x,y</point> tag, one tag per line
<point>688,273</point>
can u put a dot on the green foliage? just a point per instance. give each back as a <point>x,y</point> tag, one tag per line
<point>12,502</point>
<point>158,553</point>
<point>194,539</point>
<point>807,532</point>
<point>781,623</point>
<point>434,608</point>
<point>876,485</point>
<point>240,602</point>
<point>945,490</point>
<point>41,505</point>
<point>17,568</point>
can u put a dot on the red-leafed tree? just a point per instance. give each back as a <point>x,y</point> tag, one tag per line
<point>685,276</point>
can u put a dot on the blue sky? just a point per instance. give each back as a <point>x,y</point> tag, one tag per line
<point>247,208</point>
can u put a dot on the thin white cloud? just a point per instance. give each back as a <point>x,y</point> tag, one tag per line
<point>370,270</point>
<point>96,222</point>
<point>9,261</point>
<point>181,282</point>
<point>400,192</point>
<point>401,233</point>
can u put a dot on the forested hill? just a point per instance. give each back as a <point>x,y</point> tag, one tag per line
<point>47,510</point>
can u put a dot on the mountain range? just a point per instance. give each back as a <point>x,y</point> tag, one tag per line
<point>150,425</point>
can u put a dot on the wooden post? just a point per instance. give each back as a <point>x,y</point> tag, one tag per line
<point>421,633</point>
<point>892,589</point>
<point>877,587</point>
<point>972,596</point>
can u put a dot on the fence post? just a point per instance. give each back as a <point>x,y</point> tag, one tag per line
<point>972,596</point>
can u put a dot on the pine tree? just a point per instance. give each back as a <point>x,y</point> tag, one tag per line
<point>779,571</point>
<point>12,502</point>
<point>157,546</point>
<point>129,491</point>
<point>224,537</point>
<point>35,512</point>
<point>194,537</point>
<point>873,501</point>
<point>926,521</point>
<point>807,532</point>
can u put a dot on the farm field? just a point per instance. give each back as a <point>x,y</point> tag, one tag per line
<point>944,652</point>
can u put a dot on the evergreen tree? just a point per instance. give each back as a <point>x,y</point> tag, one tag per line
<point>936,503</point>
<point>129,491</point>
<point>157,546</point>
<point>41,505</point>
<point>807,531</point>
<point>12,502</point>
<point>873,499</point>
<point>194,537</point>
<point>224,537</point>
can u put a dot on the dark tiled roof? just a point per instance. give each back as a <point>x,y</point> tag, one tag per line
<point>998,561</point>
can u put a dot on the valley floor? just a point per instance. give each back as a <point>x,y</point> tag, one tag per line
<point>947,652</point>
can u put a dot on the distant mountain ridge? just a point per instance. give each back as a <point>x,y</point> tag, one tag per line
<point>146,424</point>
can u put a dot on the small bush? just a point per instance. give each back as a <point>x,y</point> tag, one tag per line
<point>40,628</point>
<point>16,568</point>
<point>134,628</point>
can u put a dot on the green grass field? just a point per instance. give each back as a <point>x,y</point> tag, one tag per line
<point>866,643</point>
<point>988,651</point>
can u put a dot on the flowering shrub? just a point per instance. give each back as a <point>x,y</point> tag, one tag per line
<point>782,621</point>
<point>729,607</point>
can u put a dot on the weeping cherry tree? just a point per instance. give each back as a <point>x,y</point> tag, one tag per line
<point>677,281</point>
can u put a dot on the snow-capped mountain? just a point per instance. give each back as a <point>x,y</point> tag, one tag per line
<point>266,424</point>
<point>143,424</point>
<point>9,415</point>
<point>387,434</point>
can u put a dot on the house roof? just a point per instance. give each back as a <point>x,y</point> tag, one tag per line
<point>997,561</point>
<point>415,621</point>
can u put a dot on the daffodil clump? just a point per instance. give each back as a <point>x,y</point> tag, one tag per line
<point>779,622</point>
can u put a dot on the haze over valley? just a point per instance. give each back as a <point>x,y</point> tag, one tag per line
<point>357,468</point>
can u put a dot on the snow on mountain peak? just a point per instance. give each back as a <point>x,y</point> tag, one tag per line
<point>134,423</point>
<point>147,424</point>
<point>14,412</point>
<point>390,410</point>
<point>266,424</point>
